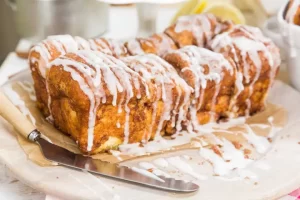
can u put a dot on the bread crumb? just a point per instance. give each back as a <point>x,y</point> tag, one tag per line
<point>150,170</point>
<point>247,151</point>
<point>237,145</point>
<point>216,149</point>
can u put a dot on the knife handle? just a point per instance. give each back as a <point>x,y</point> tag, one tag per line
<point>12,114</point>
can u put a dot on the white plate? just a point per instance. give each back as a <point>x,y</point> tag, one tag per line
<point>282,177</point>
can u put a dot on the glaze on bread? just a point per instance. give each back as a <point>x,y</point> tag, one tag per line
<point>213,79</point>
<point>102,101</point>
<point>196,29</point>
<point>257,60</point>
<point>104,93</point>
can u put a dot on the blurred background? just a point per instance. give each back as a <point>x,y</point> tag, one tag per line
<point>34,20</point>
<point>8,34</point>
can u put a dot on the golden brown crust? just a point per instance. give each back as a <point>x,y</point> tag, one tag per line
<point>158,44</point>
<point>196,29</point>
<point>257,60</point>
<point>163,103</point>
<point>148,108</point>
<point>173,93</point>
<point>48,50</point>
<point>194,74</point>
<point>70,106</point>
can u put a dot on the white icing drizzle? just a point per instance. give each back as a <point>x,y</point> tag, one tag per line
<point>134,47</point>
<point>184,167</point>
<point>82,43</point>
<point>147,173</point>
<point>59,44</point>
<point>100,45</point>
<point>150,167</point>
<point>28,87</point>
<point>161,162</point>
<point>244,173</point>
<point>117,47</point>
<point>260,143</point>
<point>67,44</point>
<point>156,145</point>
<point>15,98</point>
<point>250,43</point>
<point>199,25</point>
<point>197,59</point>
<point>274,129</point>
<point>153,68</point>
<point>116,154</point>
<point>116,75</point>
<point>231,158</point>
<point>163,43</point>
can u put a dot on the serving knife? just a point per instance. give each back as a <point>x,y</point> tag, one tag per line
<point>69,159</point>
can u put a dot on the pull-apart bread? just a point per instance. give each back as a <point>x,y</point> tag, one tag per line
<point>54,46</point>
<point>104,93</point>
<point>212,77</point>
<point>102,101</point>
<point>196,29</point>
<point>257,60</point>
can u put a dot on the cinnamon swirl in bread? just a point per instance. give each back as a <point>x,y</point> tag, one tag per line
<point>257,60</point>
<point>212,77</point>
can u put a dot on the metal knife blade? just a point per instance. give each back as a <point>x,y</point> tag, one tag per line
<point>72,160</point>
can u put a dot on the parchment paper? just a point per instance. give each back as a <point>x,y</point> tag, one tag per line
<point>33,152</point>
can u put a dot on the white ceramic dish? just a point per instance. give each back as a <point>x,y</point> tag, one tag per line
<point>286,36</point>
<point>282,177</point>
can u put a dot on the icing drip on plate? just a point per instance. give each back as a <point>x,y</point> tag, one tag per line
<point>230,158</point>
<point>184,167</point>
<point>15,98</point>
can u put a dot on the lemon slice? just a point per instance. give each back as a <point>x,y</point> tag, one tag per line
<point>226,11</point>
<point>199,7</point>
<point>185,9</point>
